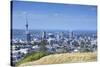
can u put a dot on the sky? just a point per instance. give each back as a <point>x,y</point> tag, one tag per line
<point>53,16</point>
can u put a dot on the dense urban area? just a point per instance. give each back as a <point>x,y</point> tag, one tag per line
<point>54,42</point>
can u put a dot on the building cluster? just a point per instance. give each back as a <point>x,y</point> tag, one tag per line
<point>58,42</point>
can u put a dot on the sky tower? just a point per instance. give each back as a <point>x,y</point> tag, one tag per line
<point>28,37</point>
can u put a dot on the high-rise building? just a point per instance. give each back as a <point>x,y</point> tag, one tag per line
<point>62,35</point>
<point>71,35</point>
<point>44,35</point>
<point>57,36</point>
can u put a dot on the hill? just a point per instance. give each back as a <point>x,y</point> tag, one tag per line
<point>64,58</point>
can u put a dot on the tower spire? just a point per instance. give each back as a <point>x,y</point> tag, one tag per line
<point>26,24</point>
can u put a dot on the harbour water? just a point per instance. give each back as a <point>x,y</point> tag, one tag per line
<point>21,34</point>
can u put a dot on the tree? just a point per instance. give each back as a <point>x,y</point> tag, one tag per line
<point>42,45</point>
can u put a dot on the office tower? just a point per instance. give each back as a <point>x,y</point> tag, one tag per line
<point>44,36</point>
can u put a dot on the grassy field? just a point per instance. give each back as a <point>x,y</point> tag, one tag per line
<point>64,58</point>
<point>32,57</point>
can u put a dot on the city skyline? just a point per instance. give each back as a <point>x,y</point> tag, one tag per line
<point>49,16</point>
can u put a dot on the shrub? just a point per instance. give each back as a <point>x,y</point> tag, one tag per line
<point>32,57</point>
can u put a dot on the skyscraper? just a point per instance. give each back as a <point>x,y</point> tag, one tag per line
<point>71,35</point>
<point>44,35</point>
